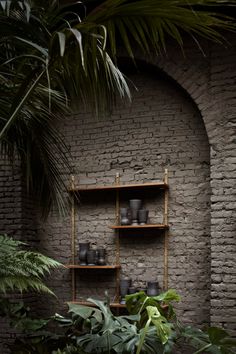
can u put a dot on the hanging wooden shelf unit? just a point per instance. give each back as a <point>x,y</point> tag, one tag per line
<point>78,266</point>
<point>87,303</point>
<point>117,187</point>
<point>146,226</point>
<point>92,188</point>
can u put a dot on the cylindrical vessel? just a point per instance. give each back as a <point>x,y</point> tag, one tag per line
<point>135,203</point>
<point>143,216</point>
<point>132,290</point>
<point>91,257</point>
<point>124,219</point>
<point>152,288</point>
<point>134,216</point>
<point>125,283</point>
<point>101,256</point>
<point>124,286</point>
<point>83,248</point>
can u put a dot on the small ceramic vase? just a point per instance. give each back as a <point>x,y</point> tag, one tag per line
<point>143,216</point>
<point>125,284</point>
<point>83,248</point>
<point>135,204</point>
<point>101,256</point>
<point>124,219</point>
<point>152,288</point>
<point>132,290</point>
<point>91,257</point>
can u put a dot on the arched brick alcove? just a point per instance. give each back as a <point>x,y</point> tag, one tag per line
<point>162,128</point>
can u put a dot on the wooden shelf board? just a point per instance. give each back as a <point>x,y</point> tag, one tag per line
<point>77,266</point>
<point>86,188</point>
<point>146,226</point>
<point>87,303</point>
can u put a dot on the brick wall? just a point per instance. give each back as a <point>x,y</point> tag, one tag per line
<point>211,84</point>
<point>16,220</point>
<point>192,133</point>
<point>10,223</point>
<point>161,129</point>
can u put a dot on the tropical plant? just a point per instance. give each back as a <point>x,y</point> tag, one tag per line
<point>150,328</point>
<point>22,270</point>
<point>54,51</point>
<point>96,330</point>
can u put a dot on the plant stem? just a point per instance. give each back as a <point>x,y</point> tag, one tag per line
<point>204,348</point>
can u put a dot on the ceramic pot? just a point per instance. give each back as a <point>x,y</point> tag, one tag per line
<point>132,290</point>
<point>123,293</point>
<point>143,216</point>
<point>152,288</point>
<point>124,219</point>
<point>134,216</point>
<point>91,257</point>
<point>96,256</point>
<point>83,248</point>
<point>125,284</point>
<point>135,203</point>
<point>101,256</point>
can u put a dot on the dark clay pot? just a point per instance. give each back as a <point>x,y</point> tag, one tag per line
<point>135,203</point>
<point>83,248</point>
<point>124,218</point>
<point>132,290</point>
<point>91,257</point>
<point>101,256</point>
<point>134,216</point>
<point>152,288</point>
<point>143,216</point>
<point>125,284</point>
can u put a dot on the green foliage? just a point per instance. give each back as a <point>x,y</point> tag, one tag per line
<point>144,330</point>
<point>94,330</point>
<point>53,52</point>
<point>138,303</point>
<point>215,340</point>
<point>19,316</point>
<point>22,270</point>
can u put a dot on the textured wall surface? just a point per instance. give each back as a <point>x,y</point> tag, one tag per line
<point>10,223</point>
<point>17,219</point>
<point>163,128</point>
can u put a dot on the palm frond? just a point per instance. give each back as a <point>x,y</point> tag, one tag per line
<point>148,23</point>
<point>52,54</point>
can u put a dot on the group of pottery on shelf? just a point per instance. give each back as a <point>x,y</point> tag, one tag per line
<point>135,214</point>
<point>91,257</point>
<point>127,288</point>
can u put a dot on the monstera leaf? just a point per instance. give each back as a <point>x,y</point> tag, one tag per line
<point>215,340</point>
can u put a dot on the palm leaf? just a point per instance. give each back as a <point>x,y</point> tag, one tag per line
<point>149,22</point>
<point>53,54</point>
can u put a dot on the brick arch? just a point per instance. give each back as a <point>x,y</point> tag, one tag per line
<point>193,74</point>
<point>188,308</point>
<point>210,82</point>
<point>193,80</point>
